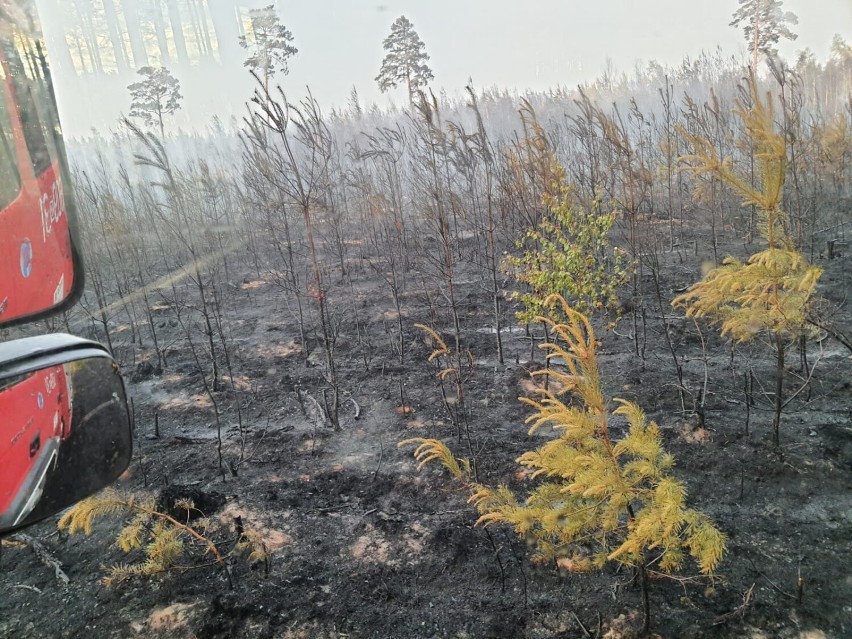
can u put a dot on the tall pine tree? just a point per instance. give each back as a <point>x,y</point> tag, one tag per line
<point>405,60</point>
<point>155,95</point>
<point>764,23</point>
<point>271,48</point>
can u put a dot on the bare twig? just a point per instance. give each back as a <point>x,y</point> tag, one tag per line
<point>739,611</point>
<point>840,337</point>
<point>357,407</point>
<point>44,555</point>
<point>27,587</point>
<point>250,456</point>
<point>585,630</point>
<point>381,458</point>
<point>804,384</point>
<point>318,407</point>
<point>771,583</point>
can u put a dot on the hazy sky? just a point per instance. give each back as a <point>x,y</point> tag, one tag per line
<point>528,43</point>
<point>535,44</point>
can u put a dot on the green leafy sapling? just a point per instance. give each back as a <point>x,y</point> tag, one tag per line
<point>566,248</point>
<point>568,253</point>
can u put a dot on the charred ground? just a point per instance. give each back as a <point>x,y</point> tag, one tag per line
<point>362,545</point>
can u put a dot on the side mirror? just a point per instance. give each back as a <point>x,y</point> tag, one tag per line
<point>40,268</point>
<point>65,430</point>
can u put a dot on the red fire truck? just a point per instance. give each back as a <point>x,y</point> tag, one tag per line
<point>36,256</point>
<point>46,463</point>
<point>36,414</point>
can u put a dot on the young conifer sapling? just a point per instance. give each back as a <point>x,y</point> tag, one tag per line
<point>772,291</point>
<point>600,499</point>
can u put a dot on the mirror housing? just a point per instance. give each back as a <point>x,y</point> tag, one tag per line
<point>65,429</point>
